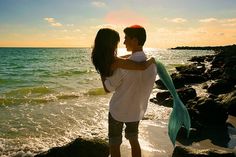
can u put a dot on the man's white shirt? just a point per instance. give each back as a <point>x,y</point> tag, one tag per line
<point>132,90</point>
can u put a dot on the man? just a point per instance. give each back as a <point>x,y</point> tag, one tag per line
<point>132,90</point>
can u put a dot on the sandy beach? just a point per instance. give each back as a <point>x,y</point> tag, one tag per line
<point>155,141</point>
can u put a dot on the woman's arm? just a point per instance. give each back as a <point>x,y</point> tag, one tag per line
<point>132,65</point>
<point>103,83</point>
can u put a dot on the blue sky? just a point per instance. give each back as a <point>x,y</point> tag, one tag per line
<point>74,23</point>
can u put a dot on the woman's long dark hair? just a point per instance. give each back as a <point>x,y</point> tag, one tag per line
<point>103,53</point>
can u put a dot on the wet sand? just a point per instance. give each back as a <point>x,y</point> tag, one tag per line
<point>155,142</point>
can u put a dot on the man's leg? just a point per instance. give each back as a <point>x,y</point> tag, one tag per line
<point>135,148</point>
<point>115,150</point>
<point>131,133</point>
<point>115,136</point>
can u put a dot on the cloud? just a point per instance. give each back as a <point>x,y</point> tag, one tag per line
<point>231,22</point>
<point>66,38</point>
<point>49,19</point>
<point>176,20</point>
<point>208,20</point>
<point>77,30</point>
<point>57,24</point>
<point>69,25</point>
<point>104,26</point>
<point>98,4</point>
<point>125,17</point>
<point>52,22</point>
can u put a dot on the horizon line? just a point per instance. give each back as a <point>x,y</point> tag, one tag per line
<point>118,47</point>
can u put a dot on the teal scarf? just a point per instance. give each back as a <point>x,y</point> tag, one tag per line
<point>179,115</point>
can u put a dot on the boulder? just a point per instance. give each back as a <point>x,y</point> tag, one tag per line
<point>180,80</point>
<point>198,59</point>
<point>181,151</point>
<point>210,112</point>
<point>221,86</point>
<point>229,101</point>
<point>230,69</point>
<point>79,148</point>
<point>191,69</point>
<point>164,98</point>
<point>188,78</point>
<point>177,83</point>
<point>214,73</point>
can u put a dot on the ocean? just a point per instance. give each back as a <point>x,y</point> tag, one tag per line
<point>50,96</point>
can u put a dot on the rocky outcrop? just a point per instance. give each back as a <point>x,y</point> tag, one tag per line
<point>193,152</point>
<point>208,113</point>
<point>212,109</point>
<point>164,98</point>
<point>79,148</point>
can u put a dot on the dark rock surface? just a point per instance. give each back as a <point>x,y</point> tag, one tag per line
<point>193,152</point>
<point>208,113</point>
<point>79,148</point>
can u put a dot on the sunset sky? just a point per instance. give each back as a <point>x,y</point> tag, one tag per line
<point>74,23</point>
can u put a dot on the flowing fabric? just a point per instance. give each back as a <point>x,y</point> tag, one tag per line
<point>179,116</point>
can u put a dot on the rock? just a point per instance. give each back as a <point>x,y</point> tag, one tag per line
<point>181,151</point>
<point>187,78</point>
<point>214,73</point>
<point>191,69</point>
<point>205,86</point>
<point>232,109</point>
<point>229,101</point>
<point>198,59</point>
<point>164,98</point>
<point>79,148</point>
<point>160,85</point>
<point>221,86</point>
<point>230,68</point>
<point>186,94</point>
<point>223,55</point>
<point>180,80</point>
<point>178,84</point>
<point>211,112</point>
<point>209,58</point>
<point>161,96</point>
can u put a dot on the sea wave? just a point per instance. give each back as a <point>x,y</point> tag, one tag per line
<point>95,91</point>
<point>28,91</point>
<point>71,72</point>
<point>39,95</point>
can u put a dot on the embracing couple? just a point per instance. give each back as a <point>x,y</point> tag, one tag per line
<point>130,78</point>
